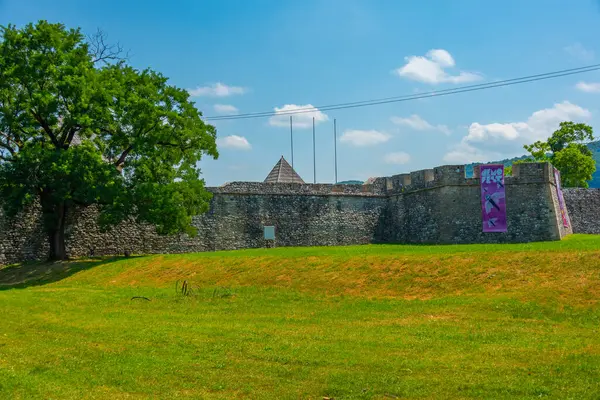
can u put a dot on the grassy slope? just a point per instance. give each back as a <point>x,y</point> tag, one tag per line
<point>514,321</point>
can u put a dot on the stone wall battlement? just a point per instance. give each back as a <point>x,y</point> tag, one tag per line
<point>455,175</point>
<point>446,175</point>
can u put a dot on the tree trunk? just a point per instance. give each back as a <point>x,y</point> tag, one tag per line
<point>56,234</point>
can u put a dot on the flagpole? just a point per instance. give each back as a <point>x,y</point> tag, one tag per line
<point>292,144</point>
<point>335,147</point>
<point>314,155</point>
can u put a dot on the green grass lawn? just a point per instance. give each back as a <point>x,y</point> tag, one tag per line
<point>360,322</point>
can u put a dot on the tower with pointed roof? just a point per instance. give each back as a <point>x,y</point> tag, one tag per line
<point>283,172</point>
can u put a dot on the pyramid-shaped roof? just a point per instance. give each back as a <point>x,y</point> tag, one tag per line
<point>283,172</point>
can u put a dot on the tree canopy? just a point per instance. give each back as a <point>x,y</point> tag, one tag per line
<point>78,126</point>
<point>566,149</point>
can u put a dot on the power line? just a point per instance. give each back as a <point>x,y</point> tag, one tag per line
<point>507,82</point>
<point>397,99</point>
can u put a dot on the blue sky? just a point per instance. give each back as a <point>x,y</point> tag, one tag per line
<point>253,56</point>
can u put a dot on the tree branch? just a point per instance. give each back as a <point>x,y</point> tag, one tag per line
<point>17,138</point>
<point>69,139</point>
<point>72,133</point>
<point>102,52</point>
<point>121,159</point>
<point>167,144</point>
<point>149,129</point>
<point>46,128</point>
<point>125,153</point>
<point>66,112</point>
<point>7,145</point>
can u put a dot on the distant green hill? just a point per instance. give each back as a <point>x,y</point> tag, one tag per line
<point>350,183</point>
<point>593,146</point>
<point>507,162</point>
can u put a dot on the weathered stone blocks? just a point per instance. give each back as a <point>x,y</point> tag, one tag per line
<point>438,205</point>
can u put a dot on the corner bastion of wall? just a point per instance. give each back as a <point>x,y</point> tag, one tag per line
<point>443,205</point>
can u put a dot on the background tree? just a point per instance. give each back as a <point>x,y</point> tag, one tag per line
<point>567,151</point>
<point>78,126</point>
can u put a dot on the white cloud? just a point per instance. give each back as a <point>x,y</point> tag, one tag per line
<point>578,51</point>
<point>482,133</point>
<point>442,57</point>
<point>301,120</point>
<point>465,153</point>
<point>397,158</point>
<point>234,142</point>
<point>588,87</point>
<point>225,109</point>
<point>419,124</point>
<point>431,69</point>
<point>360,138</point>
<point>496,141</point>
<point>217,90</point>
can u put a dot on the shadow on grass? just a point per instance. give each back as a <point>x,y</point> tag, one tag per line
<point>29,274</point>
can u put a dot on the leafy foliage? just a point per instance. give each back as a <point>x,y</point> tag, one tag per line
<point>567,152</point>
<point>576,164</point>
<point>78,126</point>
<point>595,149</point>
<point>576,161</point>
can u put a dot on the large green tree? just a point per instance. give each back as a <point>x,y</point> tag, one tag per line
<point>567,151</point>
<point>78,127</point>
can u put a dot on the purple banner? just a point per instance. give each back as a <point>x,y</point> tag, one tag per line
<point>493,204</point>
<point>561,200</point>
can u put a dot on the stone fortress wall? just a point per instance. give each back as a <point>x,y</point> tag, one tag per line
<point>438,205</point>
<point>584,209</point>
